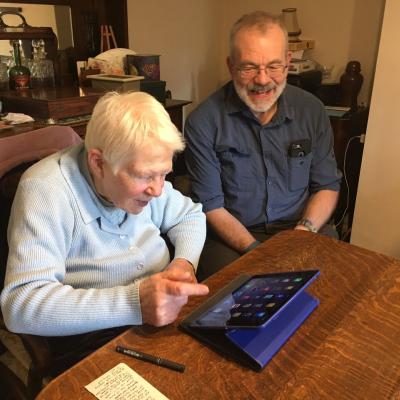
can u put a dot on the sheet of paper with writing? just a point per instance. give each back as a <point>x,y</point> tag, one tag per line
<point>122,382</point>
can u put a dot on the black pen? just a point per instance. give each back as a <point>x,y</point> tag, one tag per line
<point>152,359</point>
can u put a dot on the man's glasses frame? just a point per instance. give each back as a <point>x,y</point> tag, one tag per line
<point>273,70</point>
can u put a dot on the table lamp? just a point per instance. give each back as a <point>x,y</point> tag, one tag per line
<point>289,19</point>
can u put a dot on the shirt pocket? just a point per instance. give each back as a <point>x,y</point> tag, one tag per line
<point>299,172</point>
<point>236,169</point>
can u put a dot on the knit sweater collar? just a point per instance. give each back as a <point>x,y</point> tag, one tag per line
<point>73,164</point>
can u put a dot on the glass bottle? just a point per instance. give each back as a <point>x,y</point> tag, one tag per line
<point>350,85</point>
<point>42,70</point>
<point>18,75</point>
<point>3,76</point>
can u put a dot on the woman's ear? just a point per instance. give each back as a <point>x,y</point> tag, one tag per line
<point>96,162</point>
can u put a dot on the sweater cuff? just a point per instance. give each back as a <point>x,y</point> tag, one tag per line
<point>137,307</point>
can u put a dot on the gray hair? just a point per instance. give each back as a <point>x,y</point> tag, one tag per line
<point>260,20</point>
<point>122,123</point>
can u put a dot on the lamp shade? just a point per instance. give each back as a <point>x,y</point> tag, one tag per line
<point>289,19</point>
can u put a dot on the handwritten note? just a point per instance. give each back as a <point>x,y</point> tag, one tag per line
<point>123,383</point>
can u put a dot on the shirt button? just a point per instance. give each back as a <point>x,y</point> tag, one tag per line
<point>140,266</point>
<point>122,236</point>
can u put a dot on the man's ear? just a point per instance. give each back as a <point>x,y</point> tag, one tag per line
<point>288,57</point>
<point>229,63</point>
<point>96,162</point>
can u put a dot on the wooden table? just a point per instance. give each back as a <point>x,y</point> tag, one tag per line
<point>349,348</point>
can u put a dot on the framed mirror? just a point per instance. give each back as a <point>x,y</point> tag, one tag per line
<point>76,24</point>
<point>56,17</point>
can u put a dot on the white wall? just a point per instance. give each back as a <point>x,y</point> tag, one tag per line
<point>376,223</point>
<point>192,37</point>
<point>186,33</point>
<point>344,30</point>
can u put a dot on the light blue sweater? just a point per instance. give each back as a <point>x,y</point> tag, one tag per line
<point>75,265</point>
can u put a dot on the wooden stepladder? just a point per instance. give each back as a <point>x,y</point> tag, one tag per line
<point>107,38</point>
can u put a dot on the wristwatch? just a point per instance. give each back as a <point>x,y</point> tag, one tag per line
<point>308,225</point>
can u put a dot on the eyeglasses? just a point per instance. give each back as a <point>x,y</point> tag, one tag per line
<point>273,70</point>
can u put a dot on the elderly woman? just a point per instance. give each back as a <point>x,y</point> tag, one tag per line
<point>86,251</point>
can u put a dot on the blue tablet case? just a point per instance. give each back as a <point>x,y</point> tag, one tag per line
<point>253,347</point>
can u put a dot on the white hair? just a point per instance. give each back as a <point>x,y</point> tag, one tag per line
<point>260,20</point>
<point>122,123</point>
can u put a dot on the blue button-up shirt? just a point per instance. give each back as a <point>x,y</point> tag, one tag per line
<point>237,163</point>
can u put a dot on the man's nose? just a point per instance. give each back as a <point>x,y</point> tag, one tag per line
<point>262,77</point>
<point>156,186</point>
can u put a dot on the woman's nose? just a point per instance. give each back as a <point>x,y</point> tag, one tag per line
<point>156,186</point>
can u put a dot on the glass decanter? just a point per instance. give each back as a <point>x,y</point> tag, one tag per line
<point>42,69</point>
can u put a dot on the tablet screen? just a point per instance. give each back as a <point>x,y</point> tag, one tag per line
<point>256,301</point>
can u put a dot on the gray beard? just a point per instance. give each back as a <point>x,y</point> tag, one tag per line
<point>242,93</point>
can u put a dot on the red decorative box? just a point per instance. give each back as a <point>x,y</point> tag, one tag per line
<point>147,65</point>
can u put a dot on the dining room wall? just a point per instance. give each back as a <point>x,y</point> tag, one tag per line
<point>377,214</point>
<point>192,37</point>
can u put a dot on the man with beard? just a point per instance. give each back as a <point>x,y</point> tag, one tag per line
<point>260,152</point>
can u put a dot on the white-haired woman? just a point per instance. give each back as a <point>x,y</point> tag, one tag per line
<point>86,251</point>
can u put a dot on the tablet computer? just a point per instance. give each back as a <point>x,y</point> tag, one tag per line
<point>254,302</point>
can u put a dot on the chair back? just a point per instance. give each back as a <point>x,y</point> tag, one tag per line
<point>34,145</point>
<point>17,153</point>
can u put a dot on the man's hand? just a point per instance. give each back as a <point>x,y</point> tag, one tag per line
<point>320,208</point>
<point>164,294</point>
<point>230,229</point>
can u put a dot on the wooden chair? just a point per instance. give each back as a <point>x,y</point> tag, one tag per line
<point>17,153</point>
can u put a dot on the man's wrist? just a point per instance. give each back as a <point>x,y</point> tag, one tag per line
<point>251,246</point>
<point>306,223</point>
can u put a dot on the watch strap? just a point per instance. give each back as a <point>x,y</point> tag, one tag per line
<point>308,225</point>
<point>251,246</point>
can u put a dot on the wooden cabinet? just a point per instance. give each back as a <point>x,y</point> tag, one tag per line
<point>348,151</point>
<point>66,106</point>
<point>86,18</point>
<point>347,146</point>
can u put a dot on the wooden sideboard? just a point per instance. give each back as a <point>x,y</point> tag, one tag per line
<point>59,105</point>
<point>70,106</point>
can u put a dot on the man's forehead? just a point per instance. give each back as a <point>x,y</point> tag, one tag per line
<point>253,41</point>
<point>244,38</point>
<point>260,30</point>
